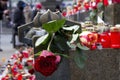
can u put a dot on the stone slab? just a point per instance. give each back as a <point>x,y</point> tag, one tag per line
<point>101,65</point>
<point>111,14</point>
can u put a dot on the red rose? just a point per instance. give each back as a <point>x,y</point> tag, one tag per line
<point>3,78</point>
<point>20,66</point>
<point>46,65</point>
<point>31,71</point>
<point>14,70</point>
<point>46,53</point>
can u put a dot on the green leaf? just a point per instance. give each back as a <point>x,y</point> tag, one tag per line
<point>99,5</point>
<point>64,55</point>
<point>74,28</point>
<point>80,58</point>
<point>74,38</point>
<point>53,26</point>
<point>37,54</point>
<point>73,46</point>
<point>29,67</point>
<point>41,40</point>
<point>92,14</point>
<point>82,47</point>
<point>60,43</point>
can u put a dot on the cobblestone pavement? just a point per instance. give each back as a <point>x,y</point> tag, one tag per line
<point>6,46</point>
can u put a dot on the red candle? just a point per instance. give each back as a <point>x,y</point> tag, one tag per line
<point>115,39</point>
<point>104,39</point>
<point>86,5</point>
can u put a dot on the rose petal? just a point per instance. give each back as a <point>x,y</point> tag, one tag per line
<point>58,58</point>
<point>46,53</point>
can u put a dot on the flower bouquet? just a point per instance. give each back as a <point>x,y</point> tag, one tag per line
<point>62,36</point>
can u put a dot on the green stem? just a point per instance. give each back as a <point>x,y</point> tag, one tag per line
<point>48,48</point>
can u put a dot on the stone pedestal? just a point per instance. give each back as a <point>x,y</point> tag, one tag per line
<point>62,73</point>
<point>111,14</point>
<point>101,65</point>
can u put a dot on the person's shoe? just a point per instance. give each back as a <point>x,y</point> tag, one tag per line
<point>11,41</point>
<point>1,50</point>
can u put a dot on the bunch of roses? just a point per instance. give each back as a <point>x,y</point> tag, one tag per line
<point>88,39</point>
<point>46,63</point>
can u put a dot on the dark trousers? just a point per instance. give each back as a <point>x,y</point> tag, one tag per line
<point>14,40</point>
<point>14,34</point>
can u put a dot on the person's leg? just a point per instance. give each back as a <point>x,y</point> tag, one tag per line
<point>13,31</point>
<point>14,42</point>
<point>0,33</point>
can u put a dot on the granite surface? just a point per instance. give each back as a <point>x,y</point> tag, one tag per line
<point>100,65</point>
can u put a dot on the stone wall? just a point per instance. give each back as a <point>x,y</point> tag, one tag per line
<point>112,14</point>
<point>80,16</point>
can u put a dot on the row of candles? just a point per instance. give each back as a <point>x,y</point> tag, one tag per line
<point>85,5</point>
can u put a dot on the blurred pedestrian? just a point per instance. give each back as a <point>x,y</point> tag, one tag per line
<point>18,20</point>
<point>27,13</point>
<point>38,7</point>
<point>58,8</point>
<point>3,11</point>
<point>3,8</point>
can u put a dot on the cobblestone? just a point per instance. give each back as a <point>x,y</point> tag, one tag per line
<point>6,46</point>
